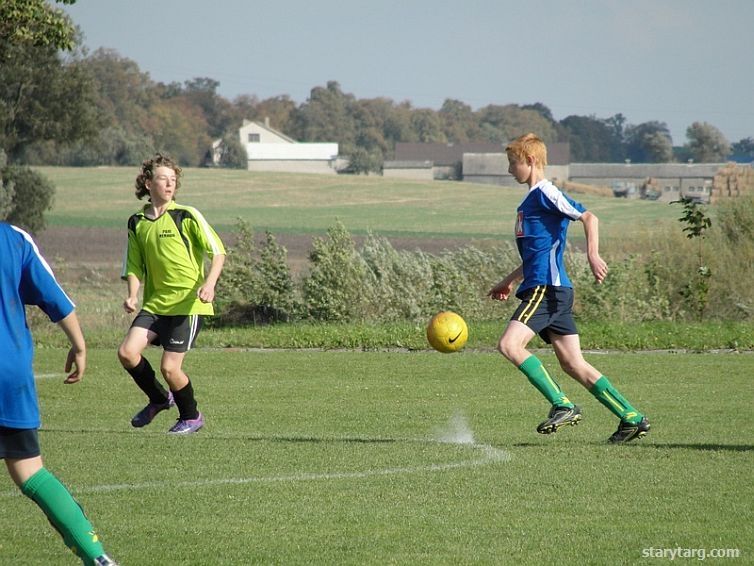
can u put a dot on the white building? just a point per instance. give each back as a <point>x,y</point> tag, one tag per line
<point>270,150</point>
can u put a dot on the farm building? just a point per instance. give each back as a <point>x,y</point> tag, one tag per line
<point>492,168</point>
<point>664,181</point>
<point>270,150</point>
<point>446,159</point>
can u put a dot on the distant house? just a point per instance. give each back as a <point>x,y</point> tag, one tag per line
<point>271,150</point>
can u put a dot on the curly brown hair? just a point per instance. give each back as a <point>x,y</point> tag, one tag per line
<point>147,172</point>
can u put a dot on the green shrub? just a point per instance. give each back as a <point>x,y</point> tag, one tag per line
<point>333,290</point>
<point>256,285</point>
<point>378,283</point>
<point>233,154</point>
<point>32,196</point>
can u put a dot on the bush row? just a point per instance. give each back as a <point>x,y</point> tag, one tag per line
<point>376,282</point>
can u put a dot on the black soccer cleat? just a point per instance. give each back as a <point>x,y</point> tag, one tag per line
<point>627,432</point>
<point>558,417</point>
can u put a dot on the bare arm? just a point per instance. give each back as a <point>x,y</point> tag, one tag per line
<point>206,292</point>
<point>76,359</point>
<point>132,299</point>
<point>591,231</point>
<point>502,290</point>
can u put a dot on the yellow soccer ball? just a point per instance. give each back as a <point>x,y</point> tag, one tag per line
<point>447,332</point>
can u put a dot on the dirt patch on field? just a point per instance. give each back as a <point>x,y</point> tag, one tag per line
<point>103,248</point>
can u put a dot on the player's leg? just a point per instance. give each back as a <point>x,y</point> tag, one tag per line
<point>139,368</point>
<point>568,350</point>
<point>50,495</point>
<point>512,345</point>
<point>189,418</point>
<point>183,333</point>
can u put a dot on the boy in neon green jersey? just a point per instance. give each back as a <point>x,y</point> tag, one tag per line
<point>167,243</point>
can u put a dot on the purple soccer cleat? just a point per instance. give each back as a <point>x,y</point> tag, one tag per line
<point>187,426</point>
<point>148,413</point>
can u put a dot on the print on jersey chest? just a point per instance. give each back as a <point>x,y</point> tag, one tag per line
<point>166,233</point>
<point>519,224</point>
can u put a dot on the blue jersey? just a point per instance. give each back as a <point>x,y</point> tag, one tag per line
<point>541,227</point>
<point>25,279</point>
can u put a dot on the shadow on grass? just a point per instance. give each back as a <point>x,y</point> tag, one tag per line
<point>204,434</point>
<point>314,439</point>
<point>668,446</point>
<point>702,447</point>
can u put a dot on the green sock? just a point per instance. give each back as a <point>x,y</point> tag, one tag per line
<point>608,395</point>
<point>539,378</point>
<point>65,514</point>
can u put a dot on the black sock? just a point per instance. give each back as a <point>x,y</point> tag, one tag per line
<point>184,400</point>
<point>143,375</point>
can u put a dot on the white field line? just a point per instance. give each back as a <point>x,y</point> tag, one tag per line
<point>488,455</point>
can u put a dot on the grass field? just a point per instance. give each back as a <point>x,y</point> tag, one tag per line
<point>309,204</point>
<point>313,457</point>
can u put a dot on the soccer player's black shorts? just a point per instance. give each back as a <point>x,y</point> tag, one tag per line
<point>546,309</point>
<point>174,333</point>
<point>18,443</point>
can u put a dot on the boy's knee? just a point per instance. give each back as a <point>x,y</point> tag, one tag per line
<point>128,357</point>
<point>508,349</point>
<point>170,371</point>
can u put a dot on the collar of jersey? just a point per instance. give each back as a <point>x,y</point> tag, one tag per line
<point>143,212</point>
<point>540,185</point>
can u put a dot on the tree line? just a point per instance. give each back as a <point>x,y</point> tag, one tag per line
<point>60,105</point>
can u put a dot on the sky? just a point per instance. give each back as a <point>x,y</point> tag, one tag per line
<point>671,61</point>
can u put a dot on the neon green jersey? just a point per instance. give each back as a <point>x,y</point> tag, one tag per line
<point>167,255</point>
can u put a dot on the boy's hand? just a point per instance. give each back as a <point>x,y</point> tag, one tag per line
<point>501,291</point>
<point>130,304</point>
<point>206,293</point>
<point>75,358</point>
<point>599,268</point>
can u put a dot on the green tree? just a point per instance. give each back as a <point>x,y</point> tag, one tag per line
<point>459,123</point>
<point>427,126</point>
<point>123,94</point>
<point>743,150</point>
<point>180,129</point>
<point>649,142</point>
<point>34,23</point>
<point>43,98</point>
<point>32,197</point>
<point>202,92</point>
<point>501,124</point>
<point>369,119</point>
<point>233,154</point>
<point>590,138</point>
<point>326,117</point>
<point>280,110</point>
<point>706,143</point>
